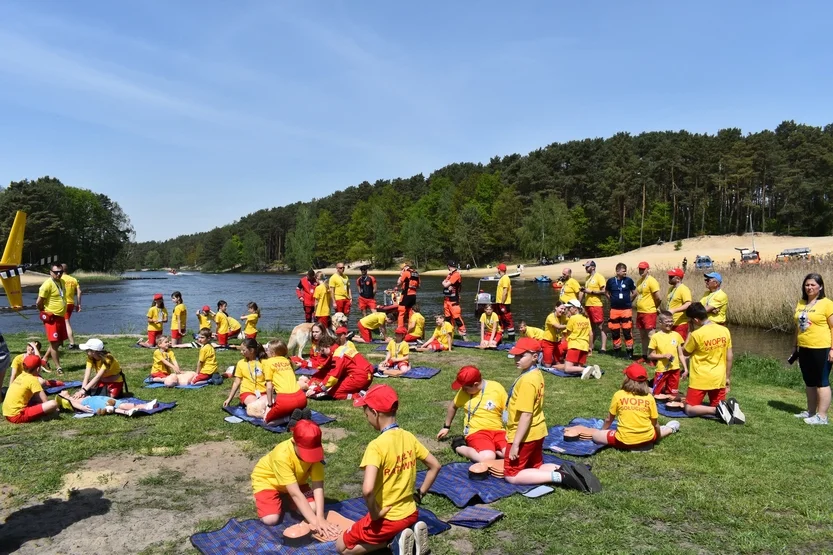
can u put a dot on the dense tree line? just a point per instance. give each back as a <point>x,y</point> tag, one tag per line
<point>589,197</point>
<point>86,230</point>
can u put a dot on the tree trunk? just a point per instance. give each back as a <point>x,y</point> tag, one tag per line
<point>642,225</point>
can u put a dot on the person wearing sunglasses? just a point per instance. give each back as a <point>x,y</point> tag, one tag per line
<point>52,304</point>
<point>715,300</point>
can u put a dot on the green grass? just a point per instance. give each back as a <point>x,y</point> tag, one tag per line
<point>759,488</point>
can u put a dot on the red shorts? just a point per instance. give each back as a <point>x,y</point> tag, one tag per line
<point>270,501</point>
<point>343,306</point>
<point>613,442</point>
<point>695,396</point>
<point>376,532</point>
<point>30,413</point>
<point>152,335</point>
<point>531,455</point>
<point>576,356</point>
<point>309,311</point>
<point>203,378</point>
<point>285,403</point>
<point>366,334</point>
<point>434,345</point>
<point>367,304</point>
<point>411,338</point>
<point>645,321</point>
<point>222,339</point>
<point>176,334</point>
<point>243,396</point>
<point>352,384</point>
<point>251,336</point>
<point>596,314</point>
<point>498,336</point>
<point>667,382</point>
<point>487,440</point>
<point>234,333</point>
<point>159,375</point>
<point>70,310</point>
<point>56,330</point>
<point>323,320</point>
<point>553,352</point>
<point>682,329</point>
<point>112,389</point>
<point>400,365</point>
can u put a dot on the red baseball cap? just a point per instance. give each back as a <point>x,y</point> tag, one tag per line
<point>468,375</point>
<point>381,398</point>
<point>643,265</point>
<point>636,372</point>
<point>206,308</point>
<point>32,362</point>
<point>676,272</point>
<point>307,436</point>
<point>402,329</point>
<point>342,329</point>
<point>525,344</point>
<point>501,267</point>
<point>158,297</point>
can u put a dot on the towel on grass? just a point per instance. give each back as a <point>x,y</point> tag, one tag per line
<point>383,348</point>
<point>416,373</point>
<point>580,447</point>
<point>561,374</point>
<point>476,345</point>
<point>476,517</point>
<point>240,412</point>
<point>252,536</point>
<point>160,406</point>
<point>59,388</point>
<point>149,384</point>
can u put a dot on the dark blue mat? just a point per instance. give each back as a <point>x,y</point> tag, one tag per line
<point>148,384</point>
<point>416,373</point>
<point>476,517</point>
<point>305,371</point>
<point>579,448</point>
<point>252,536</point>
<point>560,373</point>
<point>676,414</point>
<point>476,345</point>
<point>383,348</point>
<point>454,483</point>
<point>240,412</point>
<point>160,406</point>
<point>59,388</point>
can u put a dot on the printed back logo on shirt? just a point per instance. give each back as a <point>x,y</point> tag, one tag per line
<point>405,461</point>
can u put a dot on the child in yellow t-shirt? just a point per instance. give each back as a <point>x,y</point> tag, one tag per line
<point>396,357</point>
<point>178,319</point>
<point>666,349</point>
<point>164,361</point>
<point>25,399</point>
<point>205,317</point>
<point>530,331</point>
<point>221,319</point>
<point>389,464</point>
<point>321,295</point>
<point>579,336</point>
<point>32,348</point>
<point>484,438</point>
<point>416,325</point>
<point>373,321</point>
<point>207,359</point>
<point>157,315</point>
<point>250,320</point>
<point>552,347</point>
<point>103,375</point>
<point>441,339</point>
<point>635,410</point>
<point>283,393</point>
<point>249,378</point>
<point>526,429</point>
<point>491,331</point>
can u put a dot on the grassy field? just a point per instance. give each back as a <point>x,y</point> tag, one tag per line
<point>147,484</point>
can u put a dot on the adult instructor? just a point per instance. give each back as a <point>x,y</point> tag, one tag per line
<point>52,304</point>
<point>452,285</point>
<point>304,291</point>
<point>647,306</point>
<point>715,300</point>
<point>408,283</point>
<point>593,294</point>
<point>340,291</point>
<point>813,341</point>
<point>73,292</point>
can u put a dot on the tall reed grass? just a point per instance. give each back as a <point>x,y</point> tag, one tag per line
<point>92,277</point>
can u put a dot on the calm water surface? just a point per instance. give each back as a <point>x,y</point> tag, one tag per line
<point>120,307</point>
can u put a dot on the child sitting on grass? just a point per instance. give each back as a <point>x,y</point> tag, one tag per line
<point>25,399</point>
<point>249,379</point>
<point>108,378</point>
<point>101,405</point>
<point>396,357</point>
<point>484,438</point>
<point>635,411</point>
<point>388,488</point>
<point>207,359</point>
<point>283,394</point>
<point>442,337</point>
<point>416,325</point>
<point>32,348</point>
<point>709,347</point>
<point>666,349</point>
<point>490,330</point>
<point>373,321</point>
<point>165,368</point>
<point>526,429</point>
<point>579,335</point>
<point>281,480</point>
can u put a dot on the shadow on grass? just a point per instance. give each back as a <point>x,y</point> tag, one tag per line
<point>51,517</point>
<point>785,407</point>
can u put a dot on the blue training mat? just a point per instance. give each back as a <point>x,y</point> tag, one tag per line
<point>454,483</point>
<point>305,371</point>
<point>383,348</point>
<point>476,517</point>
<point>160,406</point>
<point>154,385</point>
<point>240,412</point>
<point>580,447</point>
<point>59,388</point>
<point>416,373</point>
<point>252,536</point>
<point>476,345</point>
<point>560,373</point>
<point>675,414</point>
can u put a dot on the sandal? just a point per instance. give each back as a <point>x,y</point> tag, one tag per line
<point>59,371</point>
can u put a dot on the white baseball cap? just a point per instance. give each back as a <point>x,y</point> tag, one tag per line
<point>574,302</point>
<point>92,345</point>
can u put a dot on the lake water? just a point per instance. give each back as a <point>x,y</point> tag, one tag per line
<point>120,307</point>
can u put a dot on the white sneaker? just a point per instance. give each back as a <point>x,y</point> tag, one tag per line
<point>802,414</point>
<point>131,412</point>
<point>816,419</point>
<point>406,542</point>
<point>674,425</point>
<point>421,539</point>
<point>597,372</point>
<point>151,405</point>
<point>724,413</point>
<point>585,374</point>
<point>737,415</point>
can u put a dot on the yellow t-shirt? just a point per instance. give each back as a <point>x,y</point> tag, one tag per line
<point>645,289</point>
<point>70,287</point>
<point>233,324</point>
<point>251,376</point>
<point>208,358</point>
<point>221,319</point>
<point>156,316</point>
<point>483,411</point>
<point>718,300</point>
<point>374,320</point>
<point>54,297</point>
<point>398,351</point>
<point>322,300</point>
<point>666,344</point>
<point>20,392</point>
<point>279,371</point>
<point>112,368</point>
<point>158,366</point>
<point>535,333</point>
<point>348,349</point>
<point>443,334</point>
<point>527,396</point>
<point>282,467</point>
<point>418,323</point>
<point>395,454</point>
<point>596,282</point>
<point>17,365</point>
<point>676,298</point>
<point>570,290</point>
<point>816,334</point>
<point>707,365</point>
<point>178,317</point>
<point>504,284</point>
<point>251,323</point>
<point>339,286</point>
<point>633,415</point>
<point>551,333</point>
<point>579,337</point>
<point>490,323</point>
<point>205,321</point>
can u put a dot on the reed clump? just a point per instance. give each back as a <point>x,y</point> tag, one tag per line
<point>92,277</point>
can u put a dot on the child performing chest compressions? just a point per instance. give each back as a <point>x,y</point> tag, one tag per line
<point>389,486</point>
<point>249,378</point>
<point>165,368</point>
<point>351,372</point>
<point>579,335</point>
<point>526,429</point>
<point>484,401</point>
<point>491,331</point>
<point>372,322</point>
<point>283,394</point>
<point>396,357</point>
<point>103,374</point>
<point>207,359</point>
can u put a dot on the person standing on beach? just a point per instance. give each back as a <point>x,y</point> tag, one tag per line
<point>408,283</point>
<point>715,300</point>
<point>340,291</point>
<point>647,306</point>
<point>620,291</point>
<point>678,300</point>
<point>366,285</point>
<point>592,294</point>
<point>504,302</point>
<point>52,304</point>
<point>452,284</point>
<point>571,288</point>
<point>304,292</point>
<point>73,292</point>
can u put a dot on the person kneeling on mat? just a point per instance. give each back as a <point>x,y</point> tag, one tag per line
<point>283,394</point>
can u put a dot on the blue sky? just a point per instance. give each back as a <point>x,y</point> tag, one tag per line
<point>191,114</point>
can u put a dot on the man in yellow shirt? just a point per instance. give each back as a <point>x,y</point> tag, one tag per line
<point>715,300</point>
<point>340,291</point>
<point>570,288</point>
<point>321,295</point>
<point>678,300</point>
<point>73,292</point>
<point>52,304</point>
<point>503,297</point>
<point>593,294</point>
<point>647,306</point>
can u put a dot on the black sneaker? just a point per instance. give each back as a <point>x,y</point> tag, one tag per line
<point>737,415</point>
<point>570,480</point>
<point>591,482</point>
<point>306,413</point>
<point>456,442</point>
<point>296,415</point>
<point>350,335</point>
<point>724,413</point>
